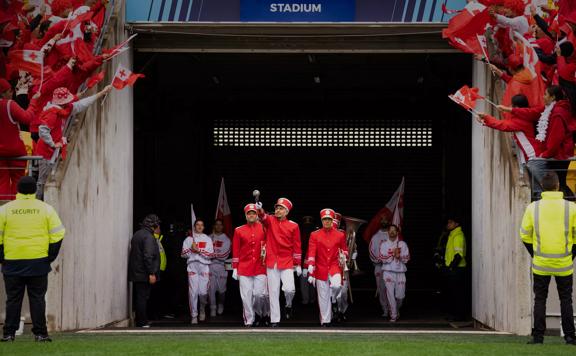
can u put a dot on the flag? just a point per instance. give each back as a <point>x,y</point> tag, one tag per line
<point>95,79</point>
<point>448,11</point>
<point>463,33</point>
<point>73,36</point>
<point>466,97</point>
<point>27,60</point>
<point>124,77</point>
<point>394,211</point>
<point>193,216</point>
<point>223,210</point>
<point>529,55</point>
<point>119,48</point>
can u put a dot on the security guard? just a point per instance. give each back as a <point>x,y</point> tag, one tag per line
<point>455,270</point>
<point>30,237</point>
<point>547,232</point>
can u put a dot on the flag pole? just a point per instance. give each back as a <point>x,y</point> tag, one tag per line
<point>491,102</point>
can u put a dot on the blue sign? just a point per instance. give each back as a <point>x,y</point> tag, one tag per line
<point>407,11</point>
<point>297,10</point>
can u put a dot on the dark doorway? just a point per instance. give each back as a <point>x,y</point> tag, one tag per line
<point>325,130</point>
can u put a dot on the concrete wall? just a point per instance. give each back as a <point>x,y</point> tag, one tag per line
<point>93,194</point>
<point>501,289</point>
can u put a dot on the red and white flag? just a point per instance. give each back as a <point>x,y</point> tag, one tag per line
<point>223,210</point>
<point>394,211</point>
<point>466,97</point>
<point>95,79</point>
<point>124,77</point>
<point>27,60</point>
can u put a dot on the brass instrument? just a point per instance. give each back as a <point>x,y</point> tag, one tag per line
<point>352,226</point>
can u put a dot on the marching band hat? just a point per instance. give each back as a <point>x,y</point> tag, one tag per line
<point>250,207</point>
<point>285,203</point>
<point>327,214</point>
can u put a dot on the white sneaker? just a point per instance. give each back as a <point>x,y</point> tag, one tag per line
<point>202,315</point>
<point>194,321</point>
<point>212,312</point>
<point>220,309</point>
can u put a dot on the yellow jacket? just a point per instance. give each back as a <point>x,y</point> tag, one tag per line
<point>163,260</point>
<point>28,228</point>
<point>548,224</point>
<point>456,245</point>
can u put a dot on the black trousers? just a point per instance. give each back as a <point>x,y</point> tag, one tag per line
<point>141,294</point>
<point>564,286</point>
<point>455,292</point>
<point>36,287</point>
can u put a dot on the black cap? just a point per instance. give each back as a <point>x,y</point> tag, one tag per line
<point>27,185</point>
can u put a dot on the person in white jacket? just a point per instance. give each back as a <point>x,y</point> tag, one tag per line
<point>394,255</point>
<point>218,273</point>
<point>374,248</point>
<point>198,250</point>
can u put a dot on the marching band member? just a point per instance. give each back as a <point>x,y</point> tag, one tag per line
<point>248,267</point>
<point>218,273</point>
<point>197,249</point>
<point>376,243</point>
<point>283,256</point>
<point>327,253</point>
<point>394,255</point>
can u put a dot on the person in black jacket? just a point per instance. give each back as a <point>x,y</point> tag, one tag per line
<point>144,266</point>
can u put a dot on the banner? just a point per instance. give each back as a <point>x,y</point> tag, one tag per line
<point>297,11</point>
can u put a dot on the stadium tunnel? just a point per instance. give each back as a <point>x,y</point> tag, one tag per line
<point>327,122</point>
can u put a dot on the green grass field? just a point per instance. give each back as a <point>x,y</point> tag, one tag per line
<point>284,344</point>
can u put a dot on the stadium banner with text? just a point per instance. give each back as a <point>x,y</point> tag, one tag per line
<point>408,11</point>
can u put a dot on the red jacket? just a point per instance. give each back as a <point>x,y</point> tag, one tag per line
<point>246,247</point>
<point>11,114</point>
<point>54,118</point>
<point>521,122</point>
<point>323,252</point>
<point>283,246</point>
<point>559,143</point>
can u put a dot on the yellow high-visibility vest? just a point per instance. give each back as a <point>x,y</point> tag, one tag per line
<point>163,260</point>
<point>548,224</point>
<point>27,227</point>
<point>456,245</point>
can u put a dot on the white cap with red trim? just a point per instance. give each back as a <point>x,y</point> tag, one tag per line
<point>285,203</point>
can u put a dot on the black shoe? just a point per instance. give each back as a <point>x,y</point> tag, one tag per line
<point>265,321</point>
<point>325,325</point>
<point>42,338</point>
<point>274,325</point>
<point>257,320</point>
<point>535,341</point>
<point>8,338</point>
<point>288,313</point>
<point>571,340</point>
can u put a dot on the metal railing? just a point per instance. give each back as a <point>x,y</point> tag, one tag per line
<point>569,192</point>
<point>28,160</point>
<point>56,156</point>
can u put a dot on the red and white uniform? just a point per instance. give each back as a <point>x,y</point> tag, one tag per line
<point>198,270</point>
<point>11,115</point>
<point>374,248</point>
<point>218,274</point>
<point>394,273</point>
<point>283,253</point>
<point>323,254</point>
<point>246,248</point>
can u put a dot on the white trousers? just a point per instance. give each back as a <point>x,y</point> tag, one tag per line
<point>381,287</point>
<point>307,291</point>
<point>395,290</point>
<point>254,293</point>
<point>328,292</point>
<point>343,297</point>
<point>198,282</point>
<point>218,280</point>
<point>276,275</point>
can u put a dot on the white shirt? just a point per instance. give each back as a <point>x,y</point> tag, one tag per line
<point>221,244</point>
<point>203,243</point>
<point>389,262</point>
<point>375,243</point>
